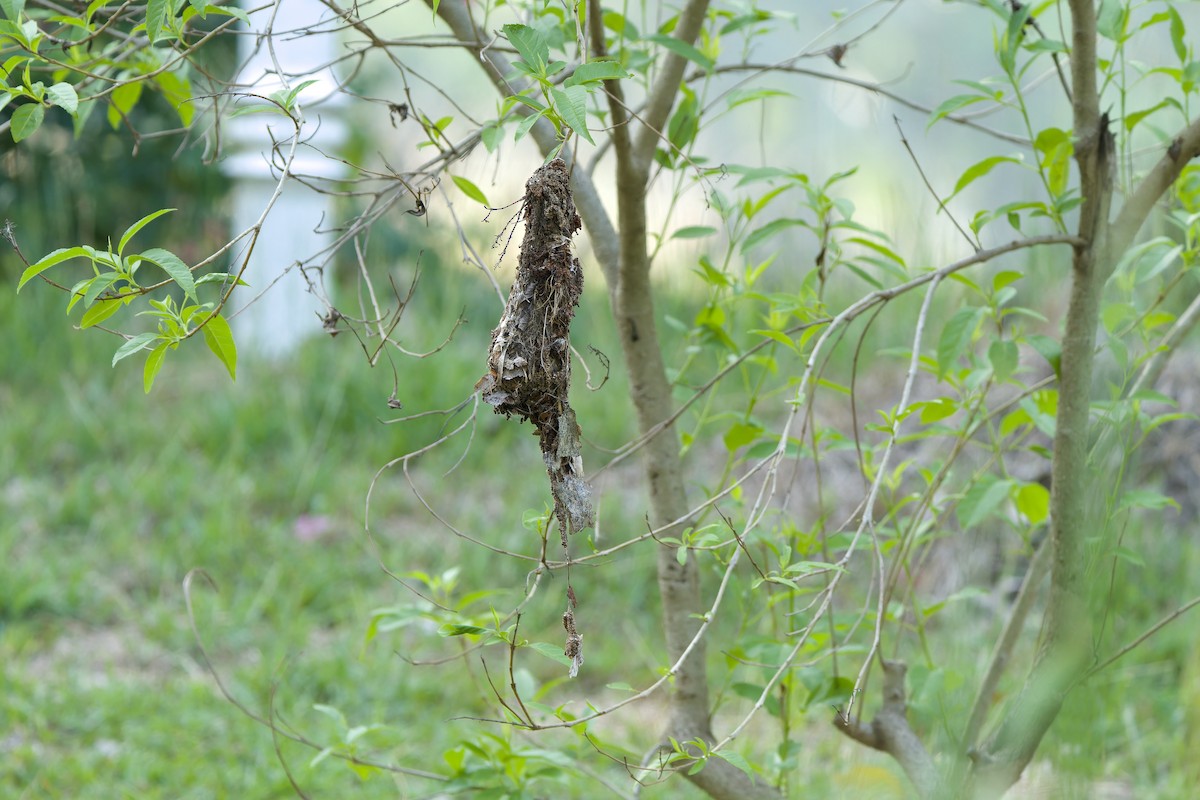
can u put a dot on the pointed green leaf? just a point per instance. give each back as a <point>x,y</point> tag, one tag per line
<point>97,285</point>
<point>740,434</point>
<point>63,95</point>
<point>173,266</point>
<point>154,363</point>
<point>530,44</point>
<point>976,171</point>
<point>1003,356</point>
<point>1033,501</point>
<point>981,501</point>
<point>694,232</point>
<point>219,338</point>
<point>1145,498</point>
<point>44,263</point>
<point>134,345</point>
<point>1177,35</point>
<point>177,90</point>
<point>736,760</point>
<point>683,49</point>
<point>954,104</point>
<point>26,120</point>
<point>1111,19</point>
<point>778,336</point>
<point>470,190</point>
<point>525,124</point>
<point>956,337</point>
<point>571,104</point>
<point>1049,349</point>
<point>137,226</point>
<point>156,16</point>
<point>596,71</point>
<point>122,101</point>
<point>551,652</point>
<point>12,9</point>
<point>101,311</point>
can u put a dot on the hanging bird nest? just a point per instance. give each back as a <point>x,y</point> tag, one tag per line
<point>529,363</point>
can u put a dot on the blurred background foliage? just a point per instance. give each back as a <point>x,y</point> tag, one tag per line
<point>110,497</point>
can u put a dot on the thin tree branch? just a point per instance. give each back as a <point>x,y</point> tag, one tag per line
<point>1065,647</point>
<point>1137,207</point>
<point>1004,646</point>
<point>1153,629</point>
<point>666,86</point>
<point>890,732</point>
<point>457,15</point>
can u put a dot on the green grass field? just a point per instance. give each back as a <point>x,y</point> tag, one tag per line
<point>111,497</point>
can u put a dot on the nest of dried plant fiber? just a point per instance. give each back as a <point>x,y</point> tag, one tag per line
<point>529,363</point>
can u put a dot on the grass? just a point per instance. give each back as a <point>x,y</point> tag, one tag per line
<point>111,497</point>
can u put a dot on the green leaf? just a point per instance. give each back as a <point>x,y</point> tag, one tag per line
<point>621,25</point>
<point>63,95</point>
<point>954,104</point>
<point>742,21</point>
<point>741,434</point>
<point>491,134</point>
<point>736,760</point>
<point>683,49</point>
<point>767,231</point>
<point>173,266</point>
<point>1050,349</point>
<point>551,652</point>
<point>1003,356</point>
<point>101,311</point>
<point>154,363</point>
<point>1177,35</point>
<point>530,44</point>
<point>97,285</point>
<point>219,338</point>
<point>525,124</point>
<point>12,9</point>
<point>571,104</point>
<point>1111,19</point>
<point>1132,119</point>
<point>234,11</point>
<point>711,275</point>
<point>219,277</point>
<point>49,260</point>
<point>936,410</point>
<point>1056,149</point>
<point>778,336</point>
<point>1133,557</point>
<point>976,171</point>
<point>450,629</point>
<point>134,345</point>
<point>470,190</point>
<point>981,501</point>
<point>122,101</point>
<point>956,337</point>
<point>1145,498</point>
<point>156,15</point>
<point>26,120</point>
<point>177,90</point>
<point>1033,502</point>
<point>694,232</point>
<point>685,121</point>
<point>597,71</point>
<point>132,230</point>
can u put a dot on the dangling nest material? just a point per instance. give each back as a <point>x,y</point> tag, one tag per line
<point>529,364</point>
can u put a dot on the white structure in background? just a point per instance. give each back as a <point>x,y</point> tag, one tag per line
<point>277,321</point>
